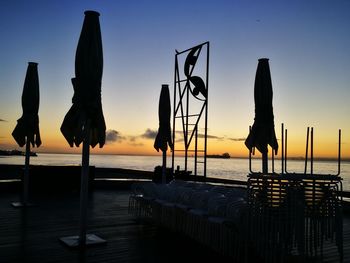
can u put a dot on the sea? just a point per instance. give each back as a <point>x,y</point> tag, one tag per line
<point>233,168</point>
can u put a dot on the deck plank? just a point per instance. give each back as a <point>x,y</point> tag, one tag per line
<point>32,234</point>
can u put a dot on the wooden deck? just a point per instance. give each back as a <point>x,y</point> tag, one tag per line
<point>32,234</point>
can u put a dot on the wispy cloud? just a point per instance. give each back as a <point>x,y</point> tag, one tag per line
<point>113,136</point>
<point>179,134</point>
<point>237,139</point>
<point>209,136</point>
<point>202,135</point>
<point>3,120</point>
<point>149,134</point>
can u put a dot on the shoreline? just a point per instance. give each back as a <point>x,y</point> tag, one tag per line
<point>209,156</point>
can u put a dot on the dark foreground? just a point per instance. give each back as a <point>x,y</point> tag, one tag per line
<point>32,234</point>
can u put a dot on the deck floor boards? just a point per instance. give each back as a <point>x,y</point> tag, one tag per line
<point>32,234</point>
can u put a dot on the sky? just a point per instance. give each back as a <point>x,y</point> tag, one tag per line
<point>307,43</point>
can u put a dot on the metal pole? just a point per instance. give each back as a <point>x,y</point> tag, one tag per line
<point>250,154</point>
<point>285,152</point>
<point>164,168</point>
<point>339,150</point>
<point>26,174</point>
<point>186,128</point>
<point>273,160</point>
<point>84,185</point>
<point>206,115</point>
<point>264,163</point>
<point>307,148</point>
<point>174,118</point>
<point>195,150</point>
<point>282,150</point>
<point>312,151</point>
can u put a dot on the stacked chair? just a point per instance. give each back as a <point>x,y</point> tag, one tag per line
<point>213,215</point>
<point>295,215</point>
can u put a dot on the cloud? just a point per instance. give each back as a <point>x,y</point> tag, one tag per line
<point>149,134</point>
<point>210,136</point>
<point>179,134</point>
<point>113,136</point>
<point>135,144</point>
<point>3,120</point>
<point>237,139</point>
<point>132,138</point>
<point>200,135</point>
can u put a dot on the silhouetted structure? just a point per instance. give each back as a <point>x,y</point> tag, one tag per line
<point>26,131</point>
<point>164,132</point>
<point>190,104</point>
<point>262,133</point>
<point>84,122</point>
<point>290,214</point>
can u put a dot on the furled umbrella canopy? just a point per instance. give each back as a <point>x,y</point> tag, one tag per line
<point>86,101</point>
<point>262,133</point>
<point>163,138</point>
<point>84,122</point>
<point>27,127</point>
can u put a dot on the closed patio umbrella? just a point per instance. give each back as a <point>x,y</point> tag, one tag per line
<point>163,138</point>
<point>84,122</point>
<point>262,133</point>
<point>26,131</point>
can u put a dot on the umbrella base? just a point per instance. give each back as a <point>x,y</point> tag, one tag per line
<point>20,204</point>
<point>91,240</point>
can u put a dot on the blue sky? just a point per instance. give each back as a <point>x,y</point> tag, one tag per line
<point>307,42</point>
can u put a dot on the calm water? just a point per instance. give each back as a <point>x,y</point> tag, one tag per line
<point>221,168</point>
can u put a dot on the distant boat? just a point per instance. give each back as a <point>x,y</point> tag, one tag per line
<point>222,156</point>
<point>15,153</point>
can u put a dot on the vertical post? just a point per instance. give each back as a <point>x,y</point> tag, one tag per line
<point>26,173</point>
<point>282,150</point>
<point>273,161</point>
<point>307,149</point>
<point>174,115</point>
<point>84,185</point>
<point>206,113</point>
<point>195,150</point>
<point>312,151</point>
<point>164,168</point>
<point>264,163</point>
<point>339,150</point>
<point>285,151</point>
<point>186,128</point>
<point>250,154</point>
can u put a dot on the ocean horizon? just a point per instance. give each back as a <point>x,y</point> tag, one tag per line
<point>232,168</point>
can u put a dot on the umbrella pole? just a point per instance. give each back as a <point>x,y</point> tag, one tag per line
<point>83,239</point>
<point>25,181</point>
<point>264,163</point>
<point>164,168</point>
<point>84,185</point>
<point>26,174</point>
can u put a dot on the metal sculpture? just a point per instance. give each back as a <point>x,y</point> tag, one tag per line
<point>191,106</point>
